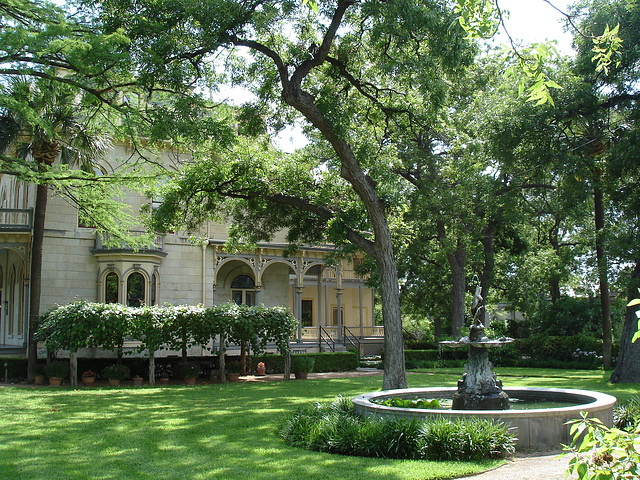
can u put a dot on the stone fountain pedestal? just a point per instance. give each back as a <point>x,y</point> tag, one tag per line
<point>479,388</point>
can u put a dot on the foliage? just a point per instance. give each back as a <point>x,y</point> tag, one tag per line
<point>334,427</point>
<point>190,370</point>
<point>234,367</point>
<point>57,369</point>
<point>302,363</point>
<point>601,453</point>
<point>410,402</point>
<point>84,325</point>
<point>626,415</point>
<point>116,372</point>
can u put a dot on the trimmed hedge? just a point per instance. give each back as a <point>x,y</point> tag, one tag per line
<point>324,362</point>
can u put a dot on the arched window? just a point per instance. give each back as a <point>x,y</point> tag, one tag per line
<point>111,288</point>
<point>243,290</point>
<point>136,290</point>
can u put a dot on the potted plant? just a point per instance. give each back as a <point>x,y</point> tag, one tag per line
<point>89,377</point>
<point>233,371</point>
<point>38,374</point>
<point>261,369</point>
<point>115,373</point>
<point>190,372</point>
<point>56,371</point>
<point>137,380</point>
<point>302,366</point>
<point>164,372</point>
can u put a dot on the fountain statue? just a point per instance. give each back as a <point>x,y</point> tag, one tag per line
<point>479,388</point>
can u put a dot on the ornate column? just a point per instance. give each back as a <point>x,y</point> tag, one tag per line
<point>299,312</point>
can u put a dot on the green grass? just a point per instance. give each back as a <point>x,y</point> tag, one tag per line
<point>204,432</point>
<point>211,432</point>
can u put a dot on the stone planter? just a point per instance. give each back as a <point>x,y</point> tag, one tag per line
<point>38,379</point>
<point>137,381</point>
<point>114,382</point>
<point>301,375</point>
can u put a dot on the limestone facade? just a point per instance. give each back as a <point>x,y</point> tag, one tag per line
<point>324,297</point>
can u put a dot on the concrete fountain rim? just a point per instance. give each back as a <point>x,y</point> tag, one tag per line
<point>589,400</point>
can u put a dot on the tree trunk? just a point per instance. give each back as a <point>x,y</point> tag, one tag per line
<point>381,250</point>
<point>37,242</point>
<point>457,261</point>
<point>601,260</point>
<point>628,365</point>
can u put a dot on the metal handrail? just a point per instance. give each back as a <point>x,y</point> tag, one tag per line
<point>326,338</point>
<point>351,338</point>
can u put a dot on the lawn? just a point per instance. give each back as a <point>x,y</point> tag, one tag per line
<point>208,431</point>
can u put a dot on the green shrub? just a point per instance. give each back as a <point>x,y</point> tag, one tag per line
<point>116,372</point>
<point>626,416</point>
<point>58,369</point>
<point>334,427</point>
<point>302,363</point>
<point>602,453</point>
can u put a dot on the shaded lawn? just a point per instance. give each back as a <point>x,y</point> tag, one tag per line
<point>212,431</point>
<point>204,432</point>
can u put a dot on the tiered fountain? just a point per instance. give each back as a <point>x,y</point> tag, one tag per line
<point>480,394</point>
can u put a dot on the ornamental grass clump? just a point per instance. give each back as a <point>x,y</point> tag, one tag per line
<point>336,428</point>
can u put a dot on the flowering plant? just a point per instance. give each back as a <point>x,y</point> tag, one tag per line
<point>89,373</point>
<point>261,365</point>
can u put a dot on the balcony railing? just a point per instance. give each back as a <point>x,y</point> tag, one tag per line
<point>16,219</point>
<point>105,243</point>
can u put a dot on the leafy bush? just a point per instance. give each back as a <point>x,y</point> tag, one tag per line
<point>603,453</point>
<point>116,372</point>
<point>58,369</point>
<point>410,403</point>
<point>626,416</point>
<point>335,427</point>
<point>302,363</point>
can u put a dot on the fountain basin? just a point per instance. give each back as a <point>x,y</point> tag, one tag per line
<point>536,429</point>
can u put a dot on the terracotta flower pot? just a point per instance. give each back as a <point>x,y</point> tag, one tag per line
<point>55,381</point>
<point>137,381</point>
<point>233,377</point>
<point>114,382</point>
<point>190,381</point>
<point>301,375</point>
<point>261,371</point>
<point>164,381</point>
<point>88,380</point>
<point>38,379</point>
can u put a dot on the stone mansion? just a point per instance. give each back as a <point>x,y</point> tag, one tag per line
<point>333,306</point>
